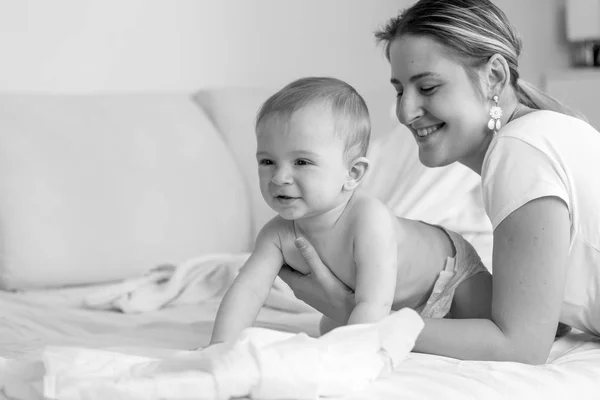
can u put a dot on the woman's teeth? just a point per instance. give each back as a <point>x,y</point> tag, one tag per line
<point>428,131</point>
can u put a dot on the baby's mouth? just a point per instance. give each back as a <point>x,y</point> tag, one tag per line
<point>285,199</point>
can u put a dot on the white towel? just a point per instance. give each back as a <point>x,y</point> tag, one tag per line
<point>194,281</point>
<point>262,364</point>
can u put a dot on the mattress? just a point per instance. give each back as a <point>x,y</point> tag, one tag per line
<point>32,323</point>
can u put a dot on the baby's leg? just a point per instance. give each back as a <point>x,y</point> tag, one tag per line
<point>327,324</point>
<point>562,330</point>
<point>473,297</point>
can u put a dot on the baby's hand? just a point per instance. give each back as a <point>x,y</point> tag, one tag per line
<point>212,348</point>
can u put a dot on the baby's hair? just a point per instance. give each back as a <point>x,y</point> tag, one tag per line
<point>347,106</point>
<point>472,31</point>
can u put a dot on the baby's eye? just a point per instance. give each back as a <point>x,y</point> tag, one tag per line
<point>302,162</point>
<point>265,161</point>
<point>399,94</point>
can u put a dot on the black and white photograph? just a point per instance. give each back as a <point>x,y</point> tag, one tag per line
<point>299,199</point>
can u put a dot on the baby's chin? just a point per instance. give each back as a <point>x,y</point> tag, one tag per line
<point>289,216</point>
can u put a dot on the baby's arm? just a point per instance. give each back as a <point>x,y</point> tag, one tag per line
<point>375,255</point>
<point>249,291</point>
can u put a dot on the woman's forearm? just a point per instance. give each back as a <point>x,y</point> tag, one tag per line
<point>465,339</point>
<point>473,339</point>
<point>468,339</point>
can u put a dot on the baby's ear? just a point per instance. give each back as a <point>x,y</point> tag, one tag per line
<point>356,173</point>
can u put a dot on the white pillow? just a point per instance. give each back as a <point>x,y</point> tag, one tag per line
<point>233,112</point>
<point>104,187</point>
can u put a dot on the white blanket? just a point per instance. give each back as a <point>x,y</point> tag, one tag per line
<point>191,282</point>
<point>194,281</point>
<point>37,326</point>
<point>262,364</point>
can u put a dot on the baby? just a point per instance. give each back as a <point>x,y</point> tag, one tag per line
<point>312,139</point>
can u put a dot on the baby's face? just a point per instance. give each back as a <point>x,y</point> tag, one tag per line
<point>301,163</point>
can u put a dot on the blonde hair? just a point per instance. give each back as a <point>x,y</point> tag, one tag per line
<point>472,31</point>
<point>348,107</point>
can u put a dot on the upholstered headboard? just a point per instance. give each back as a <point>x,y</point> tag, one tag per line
<point>101,187</point>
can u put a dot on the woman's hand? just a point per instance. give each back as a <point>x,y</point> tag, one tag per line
<point>320,288</point>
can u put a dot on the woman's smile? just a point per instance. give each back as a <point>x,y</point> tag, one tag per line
<point>424,132</point>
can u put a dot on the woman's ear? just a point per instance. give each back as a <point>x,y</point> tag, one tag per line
<point>356,173</point>
<point>497,75</point>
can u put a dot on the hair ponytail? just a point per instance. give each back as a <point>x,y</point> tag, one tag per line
<point>533,97</point>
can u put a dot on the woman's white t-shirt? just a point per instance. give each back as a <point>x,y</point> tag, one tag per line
<point>541,154</point>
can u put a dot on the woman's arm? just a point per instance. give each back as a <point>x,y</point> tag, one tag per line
<point>530,252</point>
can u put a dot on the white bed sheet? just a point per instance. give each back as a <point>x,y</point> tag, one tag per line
<point>30,323</point>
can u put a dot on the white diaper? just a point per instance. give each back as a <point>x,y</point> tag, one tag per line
<point>459,268</point>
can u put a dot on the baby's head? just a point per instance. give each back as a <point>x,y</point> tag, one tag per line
<point>347,108</point>
<point>312,139</point>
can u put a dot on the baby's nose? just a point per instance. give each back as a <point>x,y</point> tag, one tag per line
<point>282,176</point>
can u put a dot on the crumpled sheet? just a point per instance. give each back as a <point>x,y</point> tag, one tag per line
<point>260,364</point>
<point>191,282</point>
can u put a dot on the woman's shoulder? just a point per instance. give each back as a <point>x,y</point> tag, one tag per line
<point>544,123</point>
<point>547,131</point>
<point>526,161</point>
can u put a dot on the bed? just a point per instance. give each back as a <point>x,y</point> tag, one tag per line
<point>38,323</point>
<point>100,192</point>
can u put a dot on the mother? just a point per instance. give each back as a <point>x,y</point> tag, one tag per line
<point>454,65</point>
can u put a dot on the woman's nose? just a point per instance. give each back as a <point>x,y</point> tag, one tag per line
<point>282,175</point>
<point>408,109</point>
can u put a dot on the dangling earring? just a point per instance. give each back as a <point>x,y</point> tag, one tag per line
<point>494,123</point>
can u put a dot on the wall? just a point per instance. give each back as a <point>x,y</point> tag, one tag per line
<point>170,45</point>
<point>541,23</point>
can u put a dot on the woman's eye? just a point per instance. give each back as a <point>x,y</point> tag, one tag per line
<point>399,94</point>
<point>429,89</point>
<point>265,161</point>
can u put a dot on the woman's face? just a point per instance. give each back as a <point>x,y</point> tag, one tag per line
<point>438,103</point>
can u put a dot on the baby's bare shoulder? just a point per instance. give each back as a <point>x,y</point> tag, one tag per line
<point>277,229</point>
<point>364,208</point>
